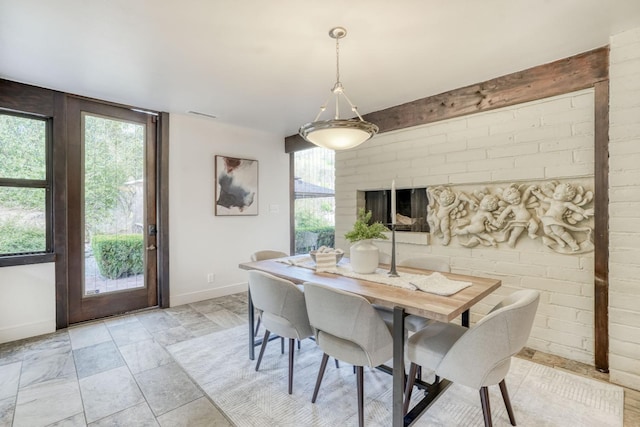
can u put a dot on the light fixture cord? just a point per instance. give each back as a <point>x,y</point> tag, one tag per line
<point>338,86</point>
<point>338,91</point>
<point>337,59</point>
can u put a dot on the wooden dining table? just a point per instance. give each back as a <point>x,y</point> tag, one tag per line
<point>401,301</point>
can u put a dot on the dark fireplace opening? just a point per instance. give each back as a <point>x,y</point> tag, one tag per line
<point>411,208</point>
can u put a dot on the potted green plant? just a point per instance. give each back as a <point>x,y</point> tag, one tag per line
<point>364,255</point>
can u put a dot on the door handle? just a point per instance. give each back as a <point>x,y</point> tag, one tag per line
<point>151,248</point>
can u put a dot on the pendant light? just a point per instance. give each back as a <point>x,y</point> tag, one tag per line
<point>337,133</point>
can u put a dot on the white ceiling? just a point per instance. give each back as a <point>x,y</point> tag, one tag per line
<point>269,64</point>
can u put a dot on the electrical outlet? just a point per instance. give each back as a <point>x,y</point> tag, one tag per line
<point>211,277</point>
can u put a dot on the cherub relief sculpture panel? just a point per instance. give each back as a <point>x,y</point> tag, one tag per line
<point>553,211</point>
<point>444,206</point>
<point>478,229</point>
<point>517,211</point>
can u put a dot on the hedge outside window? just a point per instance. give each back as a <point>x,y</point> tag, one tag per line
<point>25,185</point>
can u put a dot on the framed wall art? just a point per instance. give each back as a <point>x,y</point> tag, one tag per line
<point>236,186</point>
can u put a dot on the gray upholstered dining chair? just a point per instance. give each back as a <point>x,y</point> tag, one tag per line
<point>384,258</point>
<point>267,254</point>
<point>413,323</point>
<point>476,357</point>
<point>426,263</point>
<point>348,328</point>
<point>284,312</point>
<point>261,256</point>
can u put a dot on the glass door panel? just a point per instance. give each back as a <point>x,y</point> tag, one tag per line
<point>114,183</point>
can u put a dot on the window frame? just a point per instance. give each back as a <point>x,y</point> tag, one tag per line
<point>48,255</point>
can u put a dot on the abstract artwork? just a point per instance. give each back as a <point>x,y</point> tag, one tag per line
<point>236,186</point>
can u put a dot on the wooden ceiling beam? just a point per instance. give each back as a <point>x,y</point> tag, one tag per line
<point>563,76</point>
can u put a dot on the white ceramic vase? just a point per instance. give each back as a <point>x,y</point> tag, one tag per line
<point>364,257</point>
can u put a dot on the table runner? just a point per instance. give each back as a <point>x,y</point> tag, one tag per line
<point>434,283</point>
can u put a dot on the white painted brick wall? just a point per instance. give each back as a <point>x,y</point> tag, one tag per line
<point>547,139</point>
<point>624,209</point>
<point>505,140</point>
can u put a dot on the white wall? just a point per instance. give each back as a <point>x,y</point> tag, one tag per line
<point>533,142</point>
<point>28,303</point>
<point>202,243</point>
<point>624,209</point>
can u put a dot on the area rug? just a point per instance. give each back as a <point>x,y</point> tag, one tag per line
<point>219,363</point>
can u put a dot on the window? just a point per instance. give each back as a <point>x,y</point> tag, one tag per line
<point>25,188</point>
<point>314,206</point>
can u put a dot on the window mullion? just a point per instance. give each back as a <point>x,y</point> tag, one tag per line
<point>24,183</point>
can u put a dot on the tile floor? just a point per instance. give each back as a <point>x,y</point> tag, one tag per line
<point>116,372</point>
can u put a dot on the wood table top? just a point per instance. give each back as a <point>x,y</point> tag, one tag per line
<point>432,306</point>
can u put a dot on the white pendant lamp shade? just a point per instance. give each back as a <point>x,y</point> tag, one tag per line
<point>338,134</point>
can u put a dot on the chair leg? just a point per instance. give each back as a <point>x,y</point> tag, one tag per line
<point>337,363</point>
<point>360,386</point>
<point>323,366</point>
<point>281,345</point>
<point>257,325</point>
<point>292,343</point>
<point>298,344</point>
<point>486,408</point>
<point>265,340</point>
<point>507,402</point>
<point>409,387</point>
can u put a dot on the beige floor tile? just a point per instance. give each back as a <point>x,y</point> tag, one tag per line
<point>167,387</point>
<point>109,392</point>
<point>199,413</point>
<point>139,415</point>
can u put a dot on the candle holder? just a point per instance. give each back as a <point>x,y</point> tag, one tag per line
<point>392,271</point>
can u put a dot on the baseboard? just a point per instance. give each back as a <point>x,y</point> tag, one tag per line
<point>27,330</point>
<point>221,291</point>
<point>625,379</point>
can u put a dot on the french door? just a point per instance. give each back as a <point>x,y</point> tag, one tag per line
<point>111,220</point>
